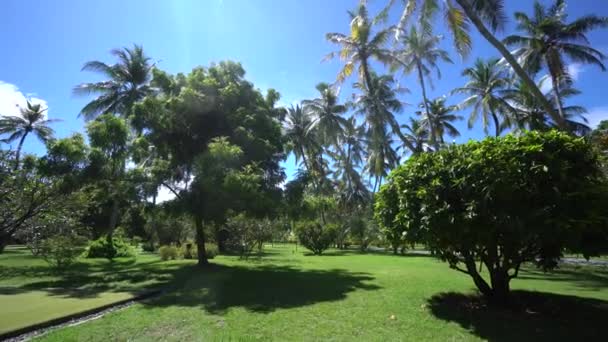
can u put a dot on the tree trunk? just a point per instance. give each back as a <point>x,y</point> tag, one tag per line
<point>481,284</point>
<point>18,153</point>
<point>4,240</point>
<point>496,123</point>
<point>523,75</point>
<point>557,95</point>
<point>367,75</point>
<point>113,220</point>
<point>425,100</point>
<point>200,242</point>
<point>500,287</point>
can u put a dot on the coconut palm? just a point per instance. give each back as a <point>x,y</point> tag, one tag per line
<point>381,157</point>
<point>325,113</point>
<point>378,103</point>
<point>487,16</point>
<point>301,140</point>
<point>31,119</point>
<point>126,82</point>
<point>438,121</point>
<point>417,137</point>
<point>529,113</point>
<point>547,39</point>
<point>486,81</point>
<point>421,53</point>
<point>361,46</point>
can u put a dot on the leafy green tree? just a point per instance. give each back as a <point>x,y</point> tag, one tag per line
<point>184,123</point>
<point>500,202</point>
<point>485,87</point>
<point>325,113</point>
<point>127,81</point>
<point>32,119</point>
<point>488,17</point>
<point>109,138</point>
<point>420,53</point>
<point>315,236</point>
<point>438,121</point>
<point>547,39</point>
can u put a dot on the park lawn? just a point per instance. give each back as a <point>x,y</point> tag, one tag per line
<point>31,292</point>
<point>286,296</point>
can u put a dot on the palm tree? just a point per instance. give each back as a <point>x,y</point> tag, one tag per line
<point>325,113</point>
<point>438,120</point>
<point>127,82</point>
<point>358,48</point>
<point>378,103</point>
<point>459,14</point>
<point>486,82</point>
<point>417,137</point>
<point>421,53</point>
<point>349,156</point>
<point>529,113</point>
<point>381,156</point>
<point>547,39</point>
<point>31,120</point>
<point>301,139</point>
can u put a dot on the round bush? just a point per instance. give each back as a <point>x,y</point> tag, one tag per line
<point>101,248</point>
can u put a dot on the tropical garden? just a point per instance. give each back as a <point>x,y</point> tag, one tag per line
<point>387,229</point>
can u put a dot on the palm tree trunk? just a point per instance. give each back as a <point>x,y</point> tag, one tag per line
<point>425,100</point>
<point>367,75</point>
<point>113,220</point>
<point>557,95</point>
<point>18,153</point>
<point>496,123</point>
<point>523,75</point>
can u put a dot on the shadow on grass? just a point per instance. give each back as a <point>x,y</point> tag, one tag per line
<point>262,289</point>
<point>346,252</point>
<point>254,286</point>
<point>588,277</point>
<point>534,316</point>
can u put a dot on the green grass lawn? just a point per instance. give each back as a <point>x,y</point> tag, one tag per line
<point>286,295</point>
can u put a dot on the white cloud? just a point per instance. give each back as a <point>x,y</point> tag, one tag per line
<point>11,99</point>
<point>164,195</point>
<point>596,115</point>
<point>575,69</point>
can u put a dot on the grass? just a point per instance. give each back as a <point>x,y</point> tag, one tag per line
<point>285,295</point>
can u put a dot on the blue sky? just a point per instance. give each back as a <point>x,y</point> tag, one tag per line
<point>279,42</point>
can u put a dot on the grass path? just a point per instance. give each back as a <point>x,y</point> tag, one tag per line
<point>286,296</point>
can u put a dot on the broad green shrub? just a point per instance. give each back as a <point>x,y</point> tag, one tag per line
<point>148,246</point>
<point>190,251</point>
<point>62,251</point>
<point>168,252</point>
<point>100,248</point>
<point>315,236</point>
<point>501,202</point>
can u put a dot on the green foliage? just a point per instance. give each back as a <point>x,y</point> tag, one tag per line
<point>190,251</point>
<point>315,236</point>
<point>500,201</point>
<point>61,251</point>
<point>102,248</point>
<point>168,252</point>
<point>247,233</point>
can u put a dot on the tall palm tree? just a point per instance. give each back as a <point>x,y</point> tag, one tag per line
<point>31,119</point>
<point>301,140</point>
<point>349,156</point>
<point>438,120</point>
<point>529,113</point>
<point>487,16</point>
<point>325,113</point>
<point>126,82</point>
<point>361,46</point>
<point>381,156</point>
<point>547,39</point>
<point>378,103</point>
<point>417,137</point>
<point>486,82</point>
<point>420,52</point>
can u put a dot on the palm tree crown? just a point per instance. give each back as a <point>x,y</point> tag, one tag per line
<point>438,120</point>
<point>325,113</point>
<point>127,82</point>
<point>32,119</point>
<point>547,39</point>
<point>486,82</point>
